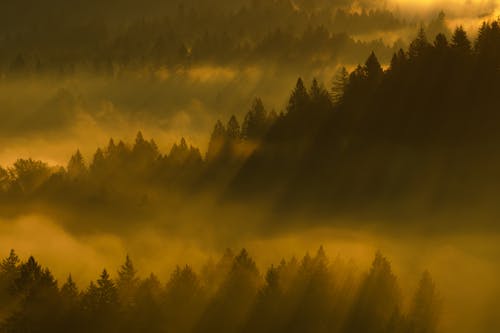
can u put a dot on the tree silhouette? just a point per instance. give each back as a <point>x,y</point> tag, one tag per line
<point>441,43</point>
<point>234,299</point>
<point>39,300</point>
<point>460,42</point>
<point>294,296</point>
<point>106,290</point>
<point>339,85</point>
<point>419,47</point>
<point>184,300</point>
<point>378,299</point>
<point>217,141</point>
<point>373,69</point>
<point>9,275</point>
<point>29,174</point>
<point>76,166</point>
<point>320,99</point>
<point>255,123</point>
<point>233,129</point>
<point>127,283</point>
<point>299,99</point>
<point>426,306</point>
<point>69,290</point>
<point>144,152</point>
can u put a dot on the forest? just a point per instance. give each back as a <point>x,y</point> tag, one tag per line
<point>368,145</point>
<point>347,148</point>
<point>182,35</point>
<point>311,294</point>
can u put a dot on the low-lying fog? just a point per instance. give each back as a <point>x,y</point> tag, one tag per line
<point>465,266</point>
<point>49,118</point>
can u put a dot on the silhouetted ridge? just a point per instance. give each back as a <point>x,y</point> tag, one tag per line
<point>420,133</point>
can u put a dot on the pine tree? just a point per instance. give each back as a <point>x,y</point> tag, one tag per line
<point>98,161</point>
<point>419,47</point>
<point>76,166</point>
<point>378,299</point>
<point>339,86</point>
<point>255,123</point>
<point>217,141</point>
<point>144,152</point>
<point>184,300</point>
<point>10,264</point>
<point>127,283</point>
<point>9,272</point>
<point>460,42</point>
<point>299,99</point>
<point>320,99</point>
<point>398,61</point>
<point>69,290</point>
<point>111,149</point>
<point>233,129</point>
<point>441,43</point>
<point>481,43</point>
<point>106,291</point>
<point>373,69</point>
<point>425,308</point>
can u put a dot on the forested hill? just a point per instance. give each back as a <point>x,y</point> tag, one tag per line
<point>416,138</point>
<point>423,132</point>
<point>111,38</point>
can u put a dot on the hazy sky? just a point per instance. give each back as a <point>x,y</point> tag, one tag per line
<point>454,7</point>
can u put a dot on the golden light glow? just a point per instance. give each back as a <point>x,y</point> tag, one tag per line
<point>454,7</point>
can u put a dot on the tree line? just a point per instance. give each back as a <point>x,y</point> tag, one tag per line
<point>191,34</point>
<point>413,138</point>
<point>312,294</point>
<point>380,138</point>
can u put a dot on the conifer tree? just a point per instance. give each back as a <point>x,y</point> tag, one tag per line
<point>217,141</point>
<point>69,290</point>
<point>127,283</point>
<point>299,99</point>
<point>373,69</point>
<point>76,166</point>
<point>233,129</point>
<point>106,291</point>
<point>419,47</point>
<point>425,308</point>
<point>460,42</point>
<point>339,86</point>
<point>255,122</point>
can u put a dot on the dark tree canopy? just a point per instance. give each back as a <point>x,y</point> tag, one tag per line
<point>311,294</point>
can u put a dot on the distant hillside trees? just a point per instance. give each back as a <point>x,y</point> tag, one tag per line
<point>375,143</point>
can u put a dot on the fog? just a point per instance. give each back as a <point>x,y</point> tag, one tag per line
<point>456,8</point>
<point>56,115</point>
<point>49,118</point>
<point>464,266</point>
<point>372,149</point>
